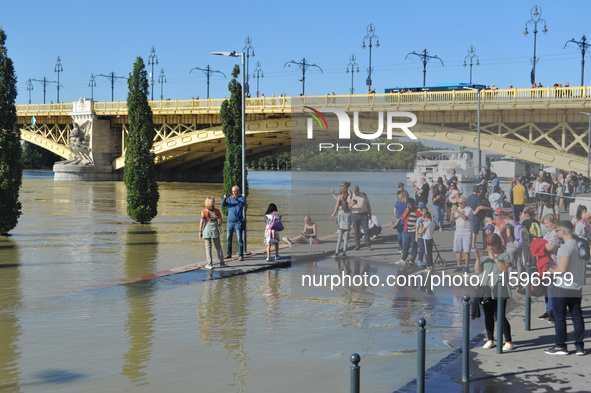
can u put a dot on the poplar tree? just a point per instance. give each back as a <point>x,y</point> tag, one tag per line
<point>231,116</point>
<point>11,170</point>
<point>140,169</point>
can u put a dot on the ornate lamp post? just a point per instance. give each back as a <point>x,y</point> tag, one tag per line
<point>58,68</point>
<point>471,56</point>
<point>29,89</point>
<point>92,85</point>
<point>258,73</point>
<point>162,81</point>
<point>536,17</point>
<point>352,67</point>
<point>303,66</point>
<point>370,36</point>
<point>583,45</point>
<point>248,49</point>
<point>425,57</point>
<point>152,60</point>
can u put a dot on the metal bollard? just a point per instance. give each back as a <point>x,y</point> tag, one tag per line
<point>500,313</point>
<point>528,298</point>
<point>466,340</point>
<point>355,373</point>
<point>421,356</point>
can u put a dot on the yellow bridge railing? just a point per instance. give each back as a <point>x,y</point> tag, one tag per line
<point>419,100</point>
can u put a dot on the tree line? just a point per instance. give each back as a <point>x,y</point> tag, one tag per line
<point>311,159</point>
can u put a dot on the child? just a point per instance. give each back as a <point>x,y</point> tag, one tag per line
<point>419,236</point>
<point>426,231</point>
<point>271,235</point>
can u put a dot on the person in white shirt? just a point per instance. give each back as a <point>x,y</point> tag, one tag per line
<point>462,216</point>
<point>426,231</point>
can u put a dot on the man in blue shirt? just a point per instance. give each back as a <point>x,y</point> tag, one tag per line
<point>235,203</point>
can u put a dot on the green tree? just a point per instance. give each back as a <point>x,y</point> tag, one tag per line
<point>11,170</point>
<point>231,116</point>
<point>140,170</point>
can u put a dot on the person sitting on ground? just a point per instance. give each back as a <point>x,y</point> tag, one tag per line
<point>308,235</point>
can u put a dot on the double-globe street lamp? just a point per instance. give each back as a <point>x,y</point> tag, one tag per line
<point>152,60</point>
<point>352,67</point>
<point>162,81</point>
<point>258,74</point>
<point>370,36</point>
<point>471,56</point>
<point>58,68</point>
<point>536,17</point>
<point>243,121</point>
<point>583,46</point>
<point>248,49</point>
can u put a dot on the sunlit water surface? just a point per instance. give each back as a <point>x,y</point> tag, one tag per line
<point>65,328</point>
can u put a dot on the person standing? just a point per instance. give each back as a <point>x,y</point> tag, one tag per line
<point>490,269</point>
<point>271,235</point>
<point>410,216</point>
<point>474,203</point>
<point>399,209</point>
<point>439,192</point>
<point>422,192</point>
<point>569,278</point>
<point>236,204</point>
<point>426,231</point>
<point>210,229</point>
<point>462,216</point>
<point>343,216</point>
<point>519,198</point>
<point>361,211</point>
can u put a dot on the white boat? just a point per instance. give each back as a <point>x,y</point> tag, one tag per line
<point>437,163</point>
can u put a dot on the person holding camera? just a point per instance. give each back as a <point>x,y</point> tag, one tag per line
<point>236,204</point>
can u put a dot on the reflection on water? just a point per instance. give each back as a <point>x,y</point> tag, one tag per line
<point>60,332</point>
<point>140,258</point>
<point>10,328</point>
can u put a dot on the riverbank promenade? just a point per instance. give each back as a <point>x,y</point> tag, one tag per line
<point>525,369</point>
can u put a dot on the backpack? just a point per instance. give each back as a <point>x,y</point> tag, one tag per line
<point>583,245</point>
<point>535,230</point>
<point>520,235</point>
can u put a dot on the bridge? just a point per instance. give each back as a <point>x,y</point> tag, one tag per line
<point>543,125</point>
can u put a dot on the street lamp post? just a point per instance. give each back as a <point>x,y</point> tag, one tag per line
<point>536,17</point>
<point>162,81</point>
<point>425,57</point>
<point>29,89</point>
<point>152,60</point>
<point>471,55</point>
<point>92,85</point>
<point>258,73</point>
<point>248,49</point>
<point>208,71</point>
<point>583,46</point>
<point>303,65</point>
<point>588,146</point>
<point>370,36</point>
<point>58,68</point>
<point>478,93</point>
<point>243,121</point>
<point>352,67</point>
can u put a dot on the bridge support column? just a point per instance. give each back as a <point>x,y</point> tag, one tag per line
<point>93,145</point>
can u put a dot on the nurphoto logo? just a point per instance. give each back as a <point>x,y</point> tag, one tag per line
<point>344,133</point>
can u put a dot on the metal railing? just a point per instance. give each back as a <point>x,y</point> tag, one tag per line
<point>284,104</point>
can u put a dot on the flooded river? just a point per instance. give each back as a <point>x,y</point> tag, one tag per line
<point>64,328</point>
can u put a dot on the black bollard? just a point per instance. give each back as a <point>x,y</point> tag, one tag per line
<point>528,298</point>
<point>466,340</point>
<point>500,313</point>
<point>421,357</point>
<point>355,373</point>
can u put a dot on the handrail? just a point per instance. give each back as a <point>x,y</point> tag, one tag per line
<point>284,104</point>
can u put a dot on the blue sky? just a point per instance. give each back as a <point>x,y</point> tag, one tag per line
<point>107,36</point>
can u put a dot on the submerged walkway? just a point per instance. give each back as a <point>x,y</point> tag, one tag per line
<point>525,369</point>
